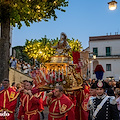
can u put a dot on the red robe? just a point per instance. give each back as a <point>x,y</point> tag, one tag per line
<point>20,108</point>
<point>29,108</point>
<point>81,103</point>
<point>72,97</point>
<point>84,110</point>
<point>61,107</point>
<point>8,101</point>
<point>40,95</point>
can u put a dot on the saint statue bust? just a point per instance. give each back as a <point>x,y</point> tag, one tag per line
<point>62,47</point>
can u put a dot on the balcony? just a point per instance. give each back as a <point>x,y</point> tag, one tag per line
<point>107,56</point>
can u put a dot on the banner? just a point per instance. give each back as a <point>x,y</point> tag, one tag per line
<point>76,60</point>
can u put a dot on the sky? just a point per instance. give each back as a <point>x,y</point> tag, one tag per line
<point>82,19</point>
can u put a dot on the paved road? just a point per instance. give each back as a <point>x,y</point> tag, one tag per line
<point>46,111</point>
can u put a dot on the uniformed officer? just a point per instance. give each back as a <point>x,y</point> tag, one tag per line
<point>102,106</point>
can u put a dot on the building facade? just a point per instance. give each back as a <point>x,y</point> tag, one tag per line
<point>107,51</point>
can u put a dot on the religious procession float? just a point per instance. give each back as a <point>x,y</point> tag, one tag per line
<point>59,71</point>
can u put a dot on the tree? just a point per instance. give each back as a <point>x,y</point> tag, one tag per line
<point>19,54</point>
<point>29,11</point>
<point>42,49</point>
<point>75,45</point>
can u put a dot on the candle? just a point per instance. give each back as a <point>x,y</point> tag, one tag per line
<point>55,75</point>
<point>48,76</point>
<point>66,70</point>
<point>62,74</point>
<point>52,75</point>
<point>59,75</point>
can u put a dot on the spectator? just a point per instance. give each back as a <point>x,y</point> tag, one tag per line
<point>13,63</point>
<point>22,65</point>
<point>1,87</point>
<point>118,102</point>
<point>29,68</point>
<point>110,83</point>
<point>93,81</point>
<point>18,66</point>
<point>11,58</point>
<point>25,68</point>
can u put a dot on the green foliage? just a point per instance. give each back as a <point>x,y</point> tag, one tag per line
<point>75,45</point>
<point>19,54</point>
<point>30,11</point>
<point>42,49</point>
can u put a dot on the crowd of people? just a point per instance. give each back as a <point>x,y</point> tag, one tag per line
<point>97,100</point>
<point>21,66</point>
<point>18,101</point>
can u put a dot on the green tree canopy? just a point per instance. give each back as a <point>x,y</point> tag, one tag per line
<point>42,49</point>
<point>30,11</point>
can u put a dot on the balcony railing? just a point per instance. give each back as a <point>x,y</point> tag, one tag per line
<point>107,56</point>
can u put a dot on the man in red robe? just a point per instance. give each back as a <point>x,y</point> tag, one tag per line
<point>82,98</point>
<point>72,97</point>
<point>60,106</point>
<point>30,104</point>
<point>21,96</point>
<point>8,101</point>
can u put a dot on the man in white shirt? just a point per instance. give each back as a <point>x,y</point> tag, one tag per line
<point>25,68</point>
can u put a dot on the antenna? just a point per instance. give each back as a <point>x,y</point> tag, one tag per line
<point>118,31</point>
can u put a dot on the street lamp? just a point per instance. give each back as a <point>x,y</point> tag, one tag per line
<point>94,57</point>
<point>112,5</point>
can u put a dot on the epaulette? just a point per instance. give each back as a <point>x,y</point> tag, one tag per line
<point>112,100</point>
<point>91,100</point>
<point>90,103</point>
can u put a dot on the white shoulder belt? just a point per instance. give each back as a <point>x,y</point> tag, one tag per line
<point>99,107</point>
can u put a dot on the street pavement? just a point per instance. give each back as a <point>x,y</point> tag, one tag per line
<point>46,111</point>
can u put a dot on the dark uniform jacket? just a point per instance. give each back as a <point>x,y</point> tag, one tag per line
<point>108,111</point>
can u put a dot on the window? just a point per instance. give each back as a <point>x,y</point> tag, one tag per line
<point>108,67</point>
<point>95,51</point>
<point>108,51</point>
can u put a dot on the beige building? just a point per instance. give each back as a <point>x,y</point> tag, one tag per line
<point>107,51</point>
<point>84,60</point>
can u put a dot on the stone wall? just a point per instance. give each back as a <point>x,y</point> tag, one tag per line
<point>16,76</point>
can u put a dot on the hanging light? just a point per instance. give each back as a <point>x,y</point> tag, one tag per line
<point>112,5</point>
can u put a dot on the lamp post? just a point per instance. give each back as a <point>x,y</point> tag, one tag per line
<point>92,58</point>
<point>112,5</point>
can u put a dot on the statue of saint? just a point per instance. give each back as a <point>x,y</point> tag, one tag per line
<point>62,48</point>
